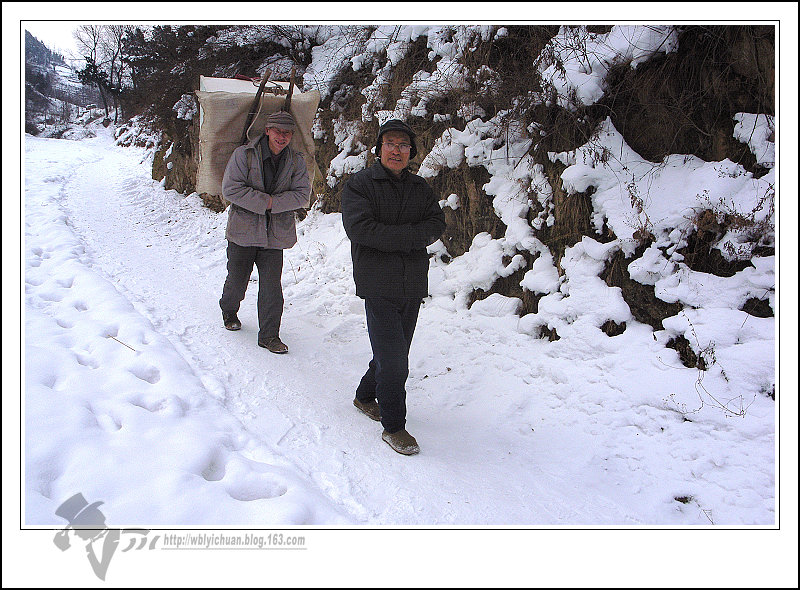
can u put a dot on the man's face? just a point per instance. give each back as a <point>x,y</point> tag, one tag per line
<point>278,139</point>
<point>395,150</point>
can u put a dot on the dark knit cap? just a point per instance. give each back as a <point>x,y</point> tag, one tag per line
<point>396,125</point>
<point>281,120</point>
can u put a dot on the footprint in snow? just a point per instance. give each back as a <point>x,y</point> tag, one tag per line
<point>66,324</point>
<point>215,469</point>
<point>171,406</point>
<point>66,283</point>
<point>147,373</point>
<point>108,423</point>
<point>109,330</point>
<point>263,489</point>
<point>53,296</point>
<point>86,360</point>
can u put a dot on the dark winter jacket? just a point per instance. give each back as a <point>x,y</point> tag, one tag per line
<point>390,223</point>
<point>249,221</point>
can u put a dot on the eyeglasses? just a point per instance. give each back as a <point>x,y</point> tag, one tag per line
<point>403,147</point>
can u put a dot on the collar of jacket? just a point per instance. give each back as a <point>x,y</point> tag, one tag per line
<point>266,153</point>
<point>378,172</point>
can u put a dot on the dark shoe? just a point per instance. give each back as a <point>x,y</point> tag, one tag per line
<point>402,442</point>
<point>231,321</point>
<point>274,344</point>
<point>371,409</point>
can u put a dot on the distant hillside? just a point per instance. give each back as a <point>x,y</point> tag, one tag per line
<point>54,97</point>
<point>37,53</point>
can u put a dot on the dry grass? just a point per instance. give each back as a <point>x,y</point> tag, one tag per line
<point>684,102</point>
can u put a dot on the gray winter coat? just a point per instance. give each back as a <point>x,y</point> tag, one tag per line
<point>249,221</point>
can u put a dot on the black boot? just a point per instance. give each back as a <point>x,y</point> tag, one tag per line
<point>231,321</point>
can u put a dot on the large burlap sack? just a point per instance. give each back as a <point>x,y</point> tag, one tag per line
<point>224,116</point>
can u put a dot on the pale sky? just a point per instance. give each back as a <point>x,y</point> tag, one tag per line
<point>55,35</point>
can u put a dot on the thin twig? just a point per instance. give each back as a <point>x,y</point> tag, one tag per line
<point>123,344</point>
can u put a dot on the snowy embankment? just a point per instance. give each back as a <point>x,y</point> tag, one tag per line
<point>136,396</point>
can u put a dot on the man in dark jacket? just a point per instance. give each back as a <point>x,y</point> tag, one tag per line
<point>391,216</point>
<point>265,182</point>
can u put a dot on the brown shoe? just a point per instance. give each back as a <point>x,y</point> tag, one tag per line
<point>371,409</point>
<point>402,442</point>
<point>274,344</point>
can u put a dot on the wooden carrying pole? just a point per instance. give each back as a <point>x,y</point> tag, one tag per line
<point>287,104</point>
<point>255,106</point>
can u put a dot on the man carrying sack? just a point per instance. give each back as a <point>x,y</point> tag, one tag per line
<point>265,181</point>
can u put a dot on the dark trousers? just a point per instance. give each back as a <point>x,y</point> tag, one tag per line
<point>390,323</point>
<point>270,293</point>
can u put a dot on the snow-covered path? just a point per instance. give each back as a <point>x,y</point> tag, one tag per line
<point>514,430</point>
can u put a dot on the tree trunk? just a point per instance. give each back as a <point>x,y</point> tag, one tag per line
<point>103,96</point>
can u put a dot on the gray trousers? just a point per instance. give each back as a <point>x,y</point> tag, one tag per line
<point>269,263</point>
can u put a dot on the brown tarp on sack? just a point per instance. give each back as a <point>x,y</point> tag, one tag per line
<point>224,117</point>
